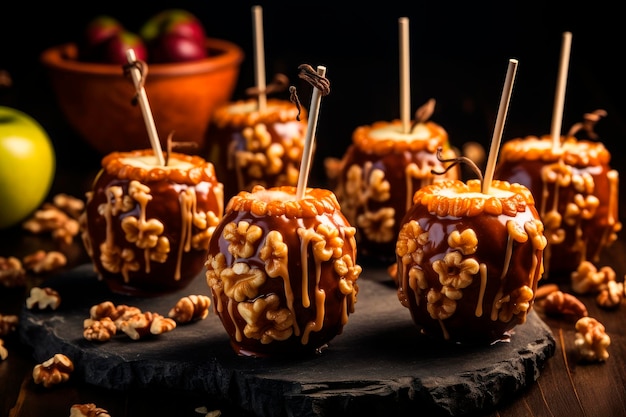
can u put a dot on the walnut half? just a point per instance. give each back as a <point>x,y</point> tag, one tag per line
<point>43,298</point>
<point>592,340</point>
<point>54,371</point>
<point>88,410</point>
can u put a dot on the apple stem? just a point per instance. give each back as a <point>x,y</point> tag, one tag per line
<point>559,99</point>
<point>497,133</point>
<point>405,77</point>
<point>259,56</point>
<point>319,89</point>
<point>136,75</point>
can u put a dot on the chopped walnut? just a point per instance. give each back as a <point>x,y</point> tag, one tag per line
<point>12,273</point>
<point>117,313</point>
<point>560,303</point>
<point>4,353</point>
<point>8,324</point>
<point>43,298</point>
<point>69,204</point>
<point>587,279</point>
<point>146,323</point>
<point>88,410</point>
<point>612,295</point>
<point>50,218</point>
<point>99,330</point>
<point>592,340</point>
<point>42,261</point>
<point>190,308</point>
<point>55,370</point>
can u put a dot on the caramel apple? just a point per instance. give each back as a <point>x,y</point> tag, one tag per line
<point>377,176</point>
<point>469,262</point>
<point>147,226</point>
<point>282,271</point>
<point>255,146</point>
<point>576,193</point>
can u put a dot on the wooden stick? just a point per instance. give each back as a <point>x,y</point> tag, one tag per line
<point>559,97</point>
<point>145,108</point>
<point>497,132</point>
<point>307,152</point>
<point>259,57</point>
<point>405,75</point>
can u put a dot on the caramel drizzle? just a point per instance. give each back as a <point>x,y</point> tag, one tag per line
<point>188,203</point>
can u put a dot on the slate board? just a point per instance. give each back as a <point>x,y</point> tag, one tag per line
<point>379,365</point>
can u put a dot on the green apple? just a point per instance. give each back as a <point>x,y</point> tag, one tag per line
<point>27,165</point>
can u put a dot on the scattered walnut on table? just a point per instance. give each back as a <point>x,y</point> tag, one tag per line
<point>587,279</point>
<point>143,324</point>
<point>50,218</point>
<point>611,296</point>
<point>69,204</point>
<point>117,313</point>
<point>4,353</point>
<point>190,308</point>
<point>591,340</point>
<point>8,323</point>
<point>42,261</point>
<point>12,273</point>
<point>561,303</point>
<point>544,290</point>
<point>43,298</point>
<point>54,371</point>
<point>88,410</point>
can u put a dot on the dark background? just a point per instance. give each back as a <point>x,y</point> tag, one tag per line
<point>459,56</point>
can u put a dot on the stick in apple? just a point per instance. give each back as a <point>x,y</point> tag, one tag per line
<point>145,107</point>
<point>307,152</point>
<point>559,99</point>
<point>497,133</point>
<point>259,56</point>
<point>405,80</point>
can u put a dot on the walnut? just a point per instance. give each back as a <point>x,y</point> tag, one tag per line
<point>88,410</point>
<point>190,308</point>
<point>544,290</point>
<point>42,261</point>
<point>12,273</point>
<point>117,313</point>
<point>592,340</point>
<point>587,279</point>
<point>99,330</point>
<point>612,295</point>
<point>50,218</point>
<point>69,204</point>
<point>146,323</point>
<point>55,370</point>
<point>4,353</point>
<point>43,298</point>
<point>560,303</point>
<point>8,324</point>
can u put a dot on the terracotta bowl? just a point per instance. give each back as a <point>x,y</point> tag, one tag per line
<point>97,99</point>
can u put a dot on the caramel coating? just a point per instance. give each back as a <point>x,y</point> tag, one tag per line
<point>378,174</point>
<point>469,263</point>
<point>282,271</point>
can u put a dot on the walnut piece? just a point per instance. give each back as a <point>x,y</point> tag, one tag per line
<point>611,296</point>
<point>50,218</point>
<point>4,353</point>
<point>12,273</point>
<point>587,279</point>
<point>54,371</point>
<point>143,324</point>
<point>117,313</point>
<point>544,290</point>
<point>190,308</point>
<point>42,261</point>
<point>69,204</point>
<point>8,323</point>
<point>43,298</point>
<point>560,303</point>
<point>99,330</point>
<point>88,410</point>
<point>591,340</point>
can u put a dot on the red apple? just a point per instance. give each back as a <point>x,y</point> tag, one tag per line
<point>98,30</point>
<point>114,48</point>
<point>174,35</point>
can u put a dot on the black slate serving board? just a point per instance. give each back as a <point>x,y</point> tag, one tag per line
<point>379,365</point>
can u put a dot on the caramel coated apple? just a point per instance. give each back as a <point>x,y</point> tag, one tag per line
<point>146,226</point>
<point>378,175</point>
<point>576,194</point>
<point>252,146</point>
<point>469,263</point>
<point>283,271</point>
